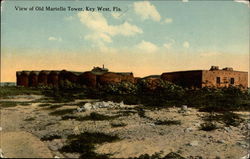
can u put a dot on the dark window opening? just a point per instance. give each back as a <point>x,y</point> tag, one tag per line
<point>218,80</point>
<point>225,80</point>
<point>232,81</point>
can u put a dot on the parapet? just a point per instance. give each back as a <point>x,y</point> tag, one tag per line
<point>214,68</point>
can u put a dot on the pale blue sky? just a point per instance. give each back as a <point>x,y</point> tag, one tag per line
<point>166,34</point>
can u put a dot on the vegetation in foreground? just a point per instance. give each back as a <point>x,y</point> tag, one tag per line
<point>84,144</point>
<point>93,116</point>
<point>227,118</point>
<point>164,94</point>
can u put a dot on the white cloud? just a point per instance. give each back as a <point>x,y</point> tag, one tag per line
<point>52,38</point>
<point>147,47</point>
<point>98,36</point>
<point>244,2</point>
<point>168,20</point>
<point>146,11</point>
<point>98,24</point>
<point>169,43</point>
<point>102,32</point>
<point>209,54</point>
<point>186,44</point>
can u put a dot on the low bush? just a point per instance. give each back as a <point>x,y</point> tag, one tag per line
<point>50,137</point>
<point>93,116</point>
<point>85,144</point>
<point>6,91</point>
<point>6,104</point>
<point>228,118</point>
<point>167,122</point>
<point>118,124</point>
<point>208,126</point>
<point>62,112</point>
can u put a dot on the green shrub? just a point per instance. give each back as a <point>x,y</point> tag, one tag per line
<point>93,116</point>
<point>120,124</point>
<point>50,137</point>
<point>85,144</point>
<point>62,112</point>
<point>6,91</point>
<point>167,122</point>
<point>208,126</point>
<point>119,88</point>
<point>228,118</point>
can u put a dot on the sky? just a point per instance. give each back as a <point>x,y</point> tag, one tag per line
<point>143,37</point>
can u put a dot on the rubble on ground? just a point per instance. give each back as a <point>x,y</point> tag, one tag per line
<point>103,104</point>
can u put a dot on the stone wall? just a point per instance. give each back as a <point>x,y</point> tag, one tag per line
<point>59,78</point>
<point>189,79</point>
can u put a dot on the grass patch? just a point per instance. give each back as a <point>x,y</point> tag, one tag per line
<point>50,137</point>
<point>44,105</point>
<point>208,126</point>
<point>157,155</point>
<point>141,112</point>
<point>85,144</point>
<point>8,104</point>
<point>93,116</point>
<point>126,112</point>
<point>5,104</point>
<point>120,124</point>
<point>62,112</point>
<point>228,118</point>
<point>6,91</point>
<point>55,106</point>
<point>30,119</point>
<point>167,122</point>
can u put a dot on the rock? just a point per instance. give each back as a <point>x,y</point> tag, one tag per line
<point>228,129</point>
<point>121,104</point>
<point>246,157</point>
<point>152,124</point>
<point>184,108</point>
<point>1,154</point>
<point>88,106</point>
<point>76,130</point>
<point>188,129</point>
<point>197,124</point>
<point>193,143</point>
<point>80,109</point>
<point>103,104</point>
<point>248,126</point>
<point>221,141</point>
<point>243,144</point>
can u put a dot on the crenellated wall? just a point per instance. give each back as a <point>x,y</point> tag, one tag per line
<point>187,79</point>
<point>59,78</point>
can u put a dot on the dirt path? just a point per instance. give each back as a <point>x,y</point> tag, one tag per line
<point>23,145</point>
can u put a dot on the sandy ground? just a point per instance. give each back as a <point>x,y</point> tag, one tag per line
<point>21,144</point>
<point>24,126</point>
